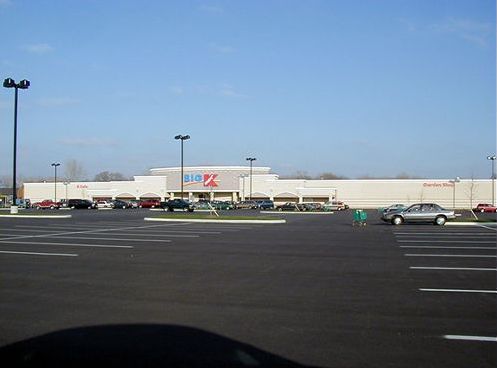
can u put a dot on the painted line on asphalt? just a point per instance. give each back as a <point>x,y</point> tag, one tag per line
<point>78,232</point>
<point>448,233</point>
<point>471,338</point>
<point>448,241</point>
<point>486,227</point>
<point>67,244</point>
<point>441,247</point>
<point>111,239</point>
<point>451,255</point>
<point>40,254</point>
<point>453,268</point>
<point>460,291</point>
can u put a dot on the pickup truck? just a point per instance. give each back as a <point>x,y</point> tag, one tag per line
<point>47,203</point>
<point>177,204</point>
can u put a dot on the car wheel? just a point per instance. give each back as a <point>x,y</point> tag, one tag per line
<point>52,207</point>
<point>397,220</point>
<point>280,209</point>
<point>440,220</point>
<point>72,207</point>
<point>482,210</point>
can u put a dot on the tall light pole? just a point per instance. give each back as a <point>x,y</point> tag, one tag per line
<point>454,181</point>
<point>492,158</point>
<point>251,159</point>
<point>182,138</point>
<point>55,165</point>
<point>66,183</point>
<point>24,84</point>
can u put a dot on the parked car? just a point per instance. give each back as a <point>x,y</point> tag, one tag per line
<point>149,203</point>
<point>80,204</point>
<point>485,207</point>
<point>265,204</point>
<point>247,205</point>
<point>289,206</point>
<point>203,205</point>
<point>312,206</point>
<point>104,204</point>
<point>177,204</point>
<point>335,206</point>
<point>47,204</point>
<point>393,207</point>
<point>420,212</point>
<point>117,203</point>
<point>222,205</point>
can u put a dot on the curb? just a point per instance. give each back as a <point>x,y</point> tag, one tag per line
<point>218,221</point>
<point>297,213</point>
<point>470,223</point>
<point>34,216</point>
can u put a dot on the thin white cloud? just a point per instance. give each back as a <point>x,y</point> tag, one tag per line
<point>38,48</point>
<point>87,142</point>
<point>478,33</point>
<point>211,9</point>
<point>5,2</point>
<point>221,49</point>
<point>57,101</point>
<point>229,91</point>
<point>177,90</point>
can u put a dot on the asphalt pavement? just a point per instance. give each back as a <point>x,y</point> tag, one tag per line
<point>315,291</point>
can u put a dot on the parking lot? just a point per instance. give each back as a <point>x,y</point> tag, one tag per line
<point>315,291</point>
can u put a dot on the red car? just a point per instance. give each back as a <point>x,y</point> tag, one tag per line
<point>485,207</point>
<point>149,203</point>
<point>47,203</point>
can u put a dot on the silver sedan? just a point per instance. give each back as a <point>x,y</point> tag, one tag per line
<point>420,212</point>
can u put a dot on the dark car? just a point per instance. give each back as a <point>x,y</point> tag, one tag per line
<point>223,205</point>
<point>265,204</point>
<point>117,203</point>
<point>289,206</point>
<point>80,204</point>
<point>177,204</point>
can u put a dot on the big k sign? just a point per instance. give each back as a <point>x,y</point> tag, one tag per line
<point>208,180</point>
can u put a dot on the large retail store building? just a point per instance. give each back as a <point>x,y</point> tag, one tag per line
<point>235,183</point>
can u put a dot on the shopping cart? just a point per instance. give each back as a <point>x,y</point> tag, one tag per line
<point>360,218</point>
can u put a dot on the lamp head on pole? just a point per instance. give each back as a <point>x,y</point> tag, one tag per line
<point>251,159</point>
<point>55,164</point>
<point>182,137</point>
<point>9,83</point>
<point>491,158</point>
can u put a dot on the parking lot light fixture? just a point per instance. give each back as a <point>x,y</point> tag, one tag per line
<point>55,165</point>
<point>182,138</point>
<point>492,158</point>
<point>251,159</point>
<point>24,84</point>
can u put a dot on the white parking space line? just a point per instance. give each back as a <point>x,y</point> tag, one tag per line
<point>451,255</point>
<point>486,227</point>
<point>471,338</point>
<point>448,241</point>
<point>453,268</point>
<point>448,233</point>
<point>40,254</point>
<point>78,232</point>
<point>2,242</point>
<point>460,291</point>
<point>441,247</point>
<point>110,239</point>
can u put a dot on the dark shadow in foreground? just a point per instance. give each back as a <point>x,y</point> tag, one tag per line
<point>140,345</point>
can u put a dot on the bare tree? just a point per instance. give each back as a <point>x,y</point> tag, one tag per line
<point>74,170</point>
<point>331,176</point>
<point>110,176</point>
<point>471,191</point>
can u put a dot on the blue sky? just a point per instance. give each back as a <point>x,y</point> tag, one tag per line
<point>353,87</point>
